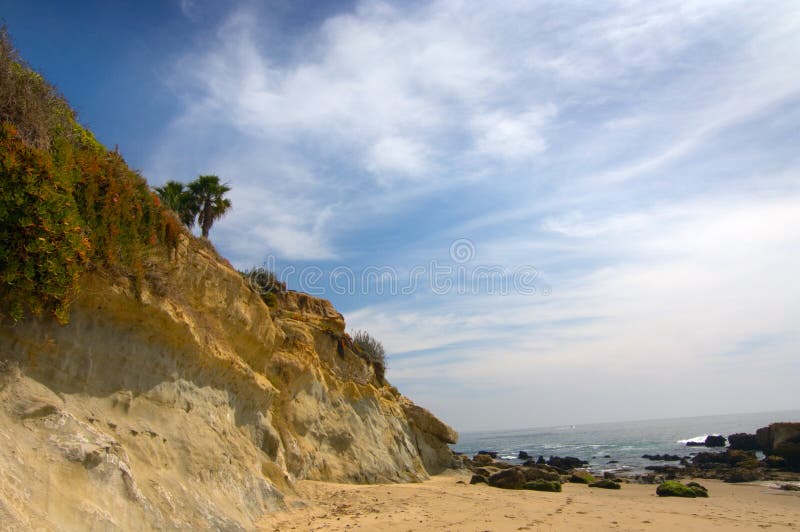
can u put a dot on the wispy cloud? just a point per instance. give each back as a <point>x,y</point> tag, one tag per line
<point>642,156</point>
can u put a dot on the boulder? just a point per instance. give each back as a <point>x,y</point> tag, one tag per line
<point>673,488</point>
<point>580,476</point>
<point>715,440</point>
<point>605,484</point>
<point>523,456</point>
<point>705,460</point>
<point>477,479</point>
<point>566,463</point>
<point>781,439</point>
<point>540,460</point>
<point>744,474</point>
<point>482,459</point>
<point>775,462</point>
<point>743,442</point>
<point>540,473</point>
<point>485,471</point>
<point>510,479</point>
<point>493,454</point>
<point>739,458</point>
<point>662,457</point>
<point>543,485</point>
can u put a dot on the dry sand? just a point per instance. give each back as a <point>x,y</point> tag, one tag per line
<point>443,503</point>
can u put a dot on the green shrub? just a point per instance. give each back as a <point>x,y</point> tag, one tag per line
<point>372,351</point>
<point>43,246</point>
<point>66,204</point>
<point>264,283</point>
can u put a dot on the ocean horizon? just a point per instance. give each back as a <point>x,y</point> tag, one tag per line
<point>616,446</point>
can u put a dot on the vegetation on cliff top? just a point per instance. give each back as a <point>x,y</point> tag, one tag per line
<point>67,204</point>
<point>202,201</point>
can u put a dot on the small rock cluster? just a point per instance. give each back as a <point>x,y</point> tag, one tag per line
<point>538,475</point>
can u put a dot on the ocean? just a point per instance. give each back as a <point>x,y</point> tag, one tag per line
<point>619,446</point>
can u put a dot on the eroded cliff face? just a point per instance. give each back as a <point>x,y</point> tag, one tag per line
<point>192,404</point>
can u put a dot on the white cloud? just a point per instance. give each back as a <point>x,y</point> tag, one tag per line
<point>640,155</point>
<point>510,137</point>
<point>395,155</point>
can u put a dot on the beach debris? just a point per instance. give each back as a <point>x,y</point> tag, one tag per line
<point>673,488</point>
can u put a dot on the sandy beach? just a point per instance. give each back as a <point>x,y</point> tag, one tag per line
<point>443,503</point>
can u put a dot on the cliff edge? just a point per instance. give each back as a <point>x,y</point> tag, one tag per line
<point>186,402</point>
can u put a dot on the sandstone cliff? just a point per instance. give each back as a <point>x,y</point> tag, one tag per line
<point>189,403</point>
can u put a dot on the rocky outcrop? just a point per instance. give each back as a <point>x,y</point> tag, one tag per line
<point>783,440</point>
<point>743,442</point>
<point>188,403</point>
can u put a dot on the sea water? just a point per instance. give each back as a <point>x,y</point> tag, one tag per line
<point>617,446</point>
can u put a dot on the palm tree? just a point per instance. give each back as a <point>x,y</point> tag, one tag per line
<point>207,193</point>
<point>177,197</point>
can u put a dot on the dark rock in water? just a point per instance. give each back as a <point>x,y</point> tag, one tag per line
<point>732,458</point>
<point>712,459</point>
<point>743,442</point>
<point>613,462</point>
<point>607,456</point>
<point>543,485</point>
<point>713,440</point>
<point>493,454</point>
<point>662,457</point>
<point>523,456</point>
<point>566,463</point>
<point>743,474</point>
<point>781,439</point>
<point>540,460</point>
<point>510,479</point>
<point>477,479</point>
<point>605,484</point>
<point>673,488</point>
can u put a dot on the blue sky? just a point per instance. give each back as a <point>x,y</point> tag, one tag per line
<point>640,157</point>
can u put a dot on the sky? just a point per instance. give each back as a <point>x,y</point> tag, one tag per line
<point>548,212</point>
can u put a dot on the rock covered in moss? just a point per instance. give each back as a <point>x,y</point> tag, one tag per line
<point>673,488</point>
<point>605,484</point>
<point>512,479</point>
<point>543,485</point>
<point>580,476</point>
